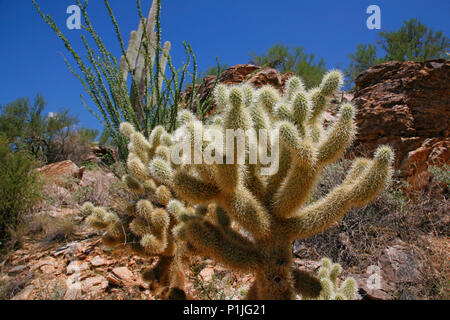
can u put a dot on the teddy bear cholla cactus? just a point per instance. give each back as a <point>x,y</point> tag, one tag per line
<point>145,226</point>
<point>332,287</point>
<point>272,210</point>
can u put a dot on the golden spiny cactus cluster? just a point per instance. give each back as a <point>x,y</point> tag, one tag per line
<point>332,287</point>
<point>145,226</point>
<point>233,213</point>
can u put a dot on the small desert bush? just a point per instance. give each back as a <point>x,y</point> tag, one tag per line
<point>53,228</point>
<point>105,190</point>
<point>19,187</point>
<point>441,174</point>
<point>221,285</point>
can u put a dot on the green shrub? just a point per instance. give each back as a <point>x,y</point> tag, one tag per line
<point>441,174</point>
<point>414,41</point>
<point>292,59</point>
<point>19,187</point>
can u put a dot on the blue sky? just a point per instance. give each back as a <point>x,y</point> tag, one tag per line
<point>31,61</point>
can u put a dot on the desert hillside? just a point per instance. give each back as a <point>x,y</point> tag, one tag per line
<point>400,241</point>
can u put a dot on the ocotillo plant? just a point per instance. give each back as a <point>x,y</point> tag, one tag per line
<point>146,225</point>
<point>246,220</point>
<point>139,62</point>
<point>151,98</point>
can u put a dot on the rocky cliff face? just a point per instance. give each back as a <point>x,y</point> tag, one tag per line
<point>403,104</point>
<point>406,105</point>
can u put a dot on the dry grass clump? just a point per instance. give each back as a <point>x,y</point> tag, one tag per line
<point>50,290</point>
<point>53,229</point>
<point>98,186</point>
<point>102,189</point>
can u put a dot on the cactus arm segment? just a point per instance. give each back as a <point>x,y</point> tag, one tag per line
<point>301,177</point>
<point>212,241</point>
<point>338,137</point>
<point>243,208</point>
<point>274,181</point>
<point>355,191</point>
<point>255,183</point>
<point>294,191</point>
<point>193,189</point>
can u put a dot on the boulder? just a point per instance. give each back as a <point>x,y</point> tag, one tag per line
<point>432,152</point>
<point>207,273</point>
<point>406,105</point>
<point>76,267</point>
<point>94,285</point>
<point>57,174</point>
<point>98,261</point>
<point>370,291</point>
<point>125,275</point>
<point>73,293</point>
<point>62,168</point>
<point>400,264</point>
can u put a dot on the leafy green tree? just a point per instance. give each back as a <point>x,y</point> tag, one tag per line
<point>412,42</point>
<point>364,57</point>
<point>215,70</point>
<point>87,136</point>
<point>50,138</point>
<point>286,59</point>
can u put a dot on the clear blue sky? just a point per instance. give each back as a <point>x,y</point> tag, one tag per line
<point>31,61</point>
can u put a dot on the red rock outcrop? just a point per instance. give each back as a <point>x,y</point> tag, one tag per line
<point>255,75</point>
<point>102,154</point>
<point>406,105</point>
<point>63,168</point>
